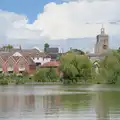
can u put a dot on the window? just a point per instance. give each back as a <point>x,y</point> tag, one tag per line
<point>104,46</point>
<point>21,65</point>
<point>38,64</point>
<point>10,65</point>
<point>10,71</point>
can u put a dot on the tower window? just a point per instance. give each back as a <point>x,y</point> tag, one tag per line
<point>104,46</point>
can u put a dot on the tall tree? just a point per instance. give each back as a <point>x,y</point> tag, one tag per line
<point>9,47</point>
<point>75,68</point>
<point>46,45</point>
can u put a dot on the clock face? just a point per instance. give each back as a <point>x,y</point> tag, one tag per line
<point>104,46</point>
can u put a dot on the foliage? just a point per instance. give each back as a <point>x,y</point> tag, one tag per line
<point>46,45</point>
<point>76,51</point>
<point>3,81</point>
<point>8,47</point>
<point>75,68</point>
<point>110,68</point>
<point>6,79</point>
<point>46,75</point>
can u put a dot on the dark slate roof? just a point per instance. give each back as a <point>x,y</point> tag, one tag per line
<point>52,50</point>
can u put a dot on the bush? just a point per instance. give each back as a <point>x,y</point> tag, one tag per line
<point>46,75</point>
<point>4,82</point>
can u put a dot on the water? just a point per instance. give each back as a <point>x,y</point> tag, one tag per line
<point>95,102</point>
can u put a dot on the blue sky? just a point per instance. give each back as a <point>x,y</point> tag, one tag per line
<point>30,8</point>
<point>74,23</point>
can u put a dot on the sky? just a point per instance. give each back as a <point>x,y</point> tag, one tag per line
<point>63,23</point>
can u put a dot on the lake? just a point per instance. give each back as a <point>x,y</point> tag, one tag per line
<point>58,102</point>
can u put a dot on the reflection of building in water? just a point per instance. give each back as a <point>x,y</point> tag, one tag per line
<point>50,105</point>
<point>102,110</point>
<point>11,103</point>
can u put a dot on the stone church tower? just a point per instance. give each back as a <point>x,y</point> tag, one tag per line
<point>102,43</point>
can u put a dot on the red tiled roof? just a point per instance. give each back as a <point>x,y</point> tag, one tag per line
<point>51,64</point>
<point>5,56</point>
<point>29,60</point>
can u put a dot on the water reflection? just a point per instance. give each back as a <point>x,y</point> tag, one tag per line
<point>101,106</point>
<point>30,103</point>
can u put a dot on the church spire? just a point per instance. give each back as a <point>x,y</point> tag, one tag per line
<point>102,30</point>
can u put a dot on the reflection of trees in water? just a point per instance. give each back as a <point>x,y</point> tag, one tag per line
<point>75,101</point>
<point>101,106</point>
<point>107,105</point>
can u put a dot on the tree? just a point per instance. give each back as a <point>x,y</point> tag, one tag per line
<point>75,68</point>
<point>76,51</point>
<point>110,67</point>
<point>8,47</point>
<point>46,45</point>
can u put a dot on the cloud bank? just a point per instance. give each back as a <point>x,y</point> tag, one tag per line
<point>72,19</point>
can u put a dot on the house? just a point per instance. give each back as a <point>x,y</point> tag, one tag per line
<point>16,64</point>
<point>38,57</point>
<point>52,64</point>
<point>36,54</point>
<point>53,52</point>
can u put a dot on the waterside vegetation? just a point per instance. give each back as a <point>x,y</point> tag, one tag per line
<point>74,68</point>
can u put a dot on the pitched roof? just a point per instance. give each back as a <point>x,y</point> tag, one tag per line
<point>32,53</point>
<point>29,60</point>
<point>51,64</point>
<point>5,55</point>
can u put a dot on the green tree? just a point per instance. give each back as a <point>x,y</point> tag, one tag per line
<point>75,68</point>
<point>46,45</point>
<point>76,51</point>
<point>8,47</point>
<point>110,68</point>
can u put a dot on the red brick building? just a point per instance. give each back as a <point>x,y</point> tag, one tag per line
<point>16,64</point>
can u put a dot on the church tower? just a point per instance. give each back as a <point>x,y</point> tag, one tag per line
<point>102,43</point>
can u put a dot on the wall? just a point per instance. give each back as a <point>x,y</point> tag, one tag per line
<point>41,60</point>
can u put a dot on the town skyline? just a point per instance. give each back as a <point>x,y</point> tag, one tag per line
<point>57,23</point>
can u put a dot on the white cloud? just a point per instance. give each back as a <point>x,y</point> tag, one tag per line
<point>73,19</point>
<point>69,19</point>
